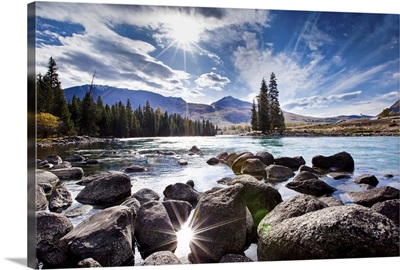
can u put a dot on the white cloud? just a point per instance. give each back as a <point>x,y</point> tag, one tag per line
<point>212,80</point>
<point>396,75</point>
<point>395,95</point>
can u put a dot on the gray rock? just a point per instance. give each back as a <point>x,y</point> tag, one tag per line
<point>54,159</point>
<point>372,196</point>
<point>190,183</point>
<point>74,158</point>
<point>69,173</point>
<point>367,179</point>
<point>50,227</point>
<point>41,200</point>
<point>342,161</point>
<point>134,168</point>
<point>349,231</point>
<point>91,161</point>
<point>223,156</point>
<point>182,192</point>
<point>178,212</point>
<point>161,258</point>
<point>153,229</point>
<point>278,173</point>
<point>212,161</point>
<point>60,200</point>
<point>239,161</point>
<point>260,198</point>
<point>293,207</point>
<point>78,211</point>
<point>231,158</point>
<point>315,187</point>
<point>195,150</point>
<point>254,167</point>
<point>63,165</point>
<point>330,201</point>
<point>305,168</point>
<point>145,195</point>
<point>339,175</point>
<point>266,158</point>
<point>106,236</point>
<point>88,263</point>
<point>220,216</point>
<point>132,203</point>
<point>106,189</point>
<point>45,177</point>
<point>390,209</point>
<point>234,258</point>
<point>304,175</point>
<point>293,163</point>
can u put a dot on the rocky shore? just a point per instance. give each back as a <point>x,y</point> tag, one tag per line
<point>224,221</point>
<point>75,140</point>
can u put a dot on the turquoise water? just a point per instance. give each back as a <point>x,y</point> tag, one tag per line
<point>372,155</point>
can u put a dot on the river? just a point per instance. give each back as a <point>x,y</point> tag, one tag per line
<point>372,155</point>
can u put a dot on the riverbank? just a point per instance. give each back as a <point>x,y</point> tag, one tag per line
<point>73,140</point>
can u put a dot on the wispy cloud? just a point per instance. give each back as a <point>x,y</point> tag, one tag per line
<point>212,81</point>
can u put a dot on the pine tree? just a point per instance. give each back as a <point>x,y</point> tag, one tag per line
<point>254,116</point>
<point>75,110</point>
<point>263,108</point>
<point>88,115</point>
<point>275,112</point>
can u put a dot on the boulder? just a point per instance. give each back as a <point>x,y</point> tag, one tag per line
<point>153,229</point>
<point>315,187</point>
<point>78,211</point>
<point>161,258</point>
<point>330,201</point>
<point>178,212</point>
<point>105,189</point>
<point>305,168</point>
<point>69,173</point>
<point>190,183</point>
<point>222,156</point>
<point>218,225</point>
<point>91,161</point>
<point>342,161</point>
<point>44,164</point>
<point>293,207</point>
<point>134,168</point>
<point>212,161</point>
<point>278,173</point>
<point>50,227</point>
<point>45,177</point>
<point>195,150</point>
<point>88,263</point>
<point>266,158</point>
<point>254,166</point>
<point>293,163</point>
<point>349,231</point>
<point>182,162</point>
<point>234,258</point>
<point>145,195</point>
<point>304,175</point>
<point>390,209</point>
<point>41,200</point>
<point>54,159</point>
<point>74,158</point>
<point>132,203</point>
<point>62,165</point>
<point>106,237</point>
<point>231,158</point>
<point>366,179</point>
<point>238,163</point>
<point>260,198</point>
<point>372,196</point>
<point>182,192</point>
<point>60,199</point>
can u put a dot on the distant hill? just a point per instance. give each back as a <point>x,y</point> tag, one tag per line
<point>226,111</point>
<point>395,108</point>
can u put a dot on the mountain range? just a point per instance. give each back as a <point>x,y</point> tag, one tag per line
<point>226,111</point>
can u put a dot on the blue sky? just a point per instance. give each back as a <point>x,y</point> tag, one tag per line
<point>326,63</point>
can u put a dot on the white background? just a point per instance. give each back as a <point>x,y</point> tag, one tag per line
<point>13,62</point>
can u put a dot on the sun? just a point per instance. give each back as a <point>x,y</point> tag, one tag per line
<point>185,33</point>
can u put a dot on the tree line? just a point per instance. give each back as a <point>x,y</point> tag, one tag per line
<point>55,116</point>
<point>266,115</point>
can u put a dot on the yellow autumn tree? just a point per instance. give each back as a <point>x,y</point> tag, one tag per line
<point>47,124</point>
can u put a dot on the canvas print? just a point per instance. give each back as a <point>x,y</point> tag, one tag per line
<point>175,135</point>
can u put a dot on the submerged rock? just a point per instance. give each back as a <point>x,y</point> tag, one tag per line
<point>315,187</point>
<point>134,168</point>
<point>219,225</point>
<point>212,161</point>
<point>350,231</point>
<point>106,236</point>
<point>342,161</point>
<point>153,229</point>
<point>195,150</point>
<point>74,158</point>
<point>367,179</point>
<point>183,162</point>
